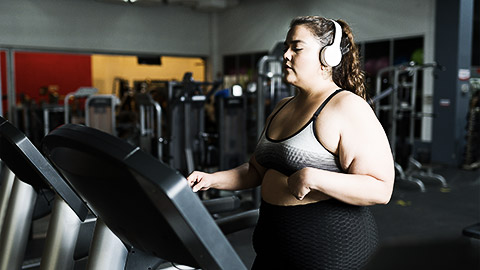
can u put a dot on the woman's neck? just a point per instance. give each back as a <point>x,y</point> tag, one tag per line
<point>316,93</point>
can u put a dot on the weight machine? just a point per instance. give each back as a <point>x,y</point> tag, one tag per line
<point>183,125</point>
<point>81,93</point>
<point>66,109</point>
<point>270,86</point>
<point>150,121</point>
<point>401,106</point>
<point>232,133</point>
<point>100,112</point>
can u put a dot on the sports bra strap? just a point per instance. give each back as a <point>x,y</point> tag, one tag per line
<point>315,115</point>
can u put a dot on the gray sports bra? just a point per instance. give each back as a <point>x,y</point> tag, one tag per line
<point>300,150</point>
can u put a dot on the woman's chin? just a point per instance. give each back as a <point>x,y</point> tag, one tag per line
<point>288,79</point>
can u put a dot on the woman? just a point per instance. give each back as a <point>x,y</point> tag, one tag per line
<point>322,158</point>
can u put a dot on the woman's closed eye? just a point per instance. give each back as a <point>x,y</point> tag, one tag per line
<point>294,49</point>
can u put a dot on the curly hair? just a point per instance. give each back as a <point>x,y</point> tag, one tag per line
<point>348,74</point>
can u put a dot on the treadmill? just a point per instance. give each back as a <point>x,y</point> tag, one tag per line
<point>144,202</point>
<point>33,173</point>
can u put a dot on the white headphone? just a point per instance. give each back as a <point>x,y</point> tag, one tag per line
<point>331,55</point>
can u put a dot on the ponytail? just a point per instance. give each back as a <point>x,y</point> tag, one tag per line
<point>348,74</point>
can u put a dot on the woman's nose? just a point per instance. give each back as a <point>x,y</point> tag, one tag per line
<point>287,55</point>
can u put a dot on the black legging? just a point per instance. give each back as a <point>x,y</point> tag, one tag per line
<point>324,235</point>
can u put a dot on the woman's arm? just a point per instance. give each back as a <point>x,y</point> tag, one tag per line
<point>364,154</point>
<point>247,175</point>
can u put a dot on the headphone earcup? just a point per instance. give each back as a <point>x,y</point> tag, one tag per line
<point>330,56</point>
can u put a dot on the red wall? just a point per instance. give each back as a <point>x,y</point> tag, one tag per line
<point>36,70</point>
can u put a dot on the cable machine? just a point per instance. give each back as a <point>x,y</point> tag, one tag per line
<point>401,108</point>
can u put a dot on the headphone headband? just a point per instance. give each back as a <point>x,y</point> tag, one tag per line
<point>338,34</point>
<point>331,55</point>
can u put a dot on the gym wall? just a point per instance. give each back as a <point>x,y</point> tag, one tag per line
<point>105,68</point>
<point>258,25</point>
<point>67,72</point>
<point>252,26</point>
<point>91,26</point>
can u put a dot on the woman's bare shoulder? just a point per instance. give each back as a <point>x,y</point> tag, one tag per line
<point>351,105</point>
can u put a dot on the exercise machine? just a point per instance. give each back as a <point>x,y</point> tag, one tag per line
<point>168,120</point>
<point>53,116</point>
<point>401,108</point>
<point>270,86</point>
<point>149,118</point>
<point>28,173</point>
<point>100,112</point>
<point>75,113</point>
<point>144,202</point>
<point>232,127</point>
<point>183,128</point>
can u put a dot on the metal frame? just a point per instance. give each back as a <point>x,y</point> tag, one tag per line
<point>5,191</point>
<point>180,142</point>
<point>82,92</point>
<point>150,120</point>
<point>113,103</point>
<point>14,235</point>
<point>107,251</point>
<point>263,75</point>
<point>415,169</point>
<point>62,236</point>
<point>46,116</point>
<point>11,92</point>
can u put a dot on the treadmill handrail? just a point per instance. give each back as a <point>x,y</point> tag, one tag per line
<point>43,171</point>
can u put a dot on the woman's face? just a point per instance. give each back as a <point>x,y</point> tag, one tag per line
<point>301,61</point>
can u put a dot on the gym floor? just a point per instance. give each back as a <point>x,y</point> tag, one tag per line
<point>419,230</point>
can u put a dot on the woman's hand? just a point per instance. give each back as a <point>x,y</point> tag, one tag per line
<point>199,181</point>
<point>298,183</point>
